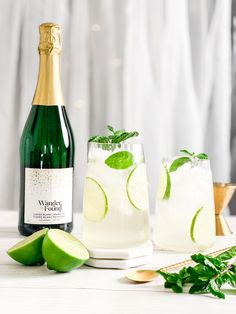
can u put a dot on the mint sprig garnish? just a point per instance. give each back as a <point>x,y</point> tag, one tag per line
<point>183,160</point>
<point>201,156</point>
<point>208,276</point>
<point>116,136</point>
<point>179,162</point>
<point>198,156</point>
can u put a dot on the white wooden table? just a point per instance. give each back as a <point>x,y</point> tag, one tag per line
<point>87,290</point>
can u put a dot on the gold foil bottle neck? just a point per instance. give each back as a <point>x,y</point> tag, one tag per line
<point>50,39</point>
<point>48,91</point>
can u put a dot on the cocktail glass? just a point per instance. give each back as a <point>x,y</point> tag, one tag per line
<point>185,218</point>
<point>115,203</point>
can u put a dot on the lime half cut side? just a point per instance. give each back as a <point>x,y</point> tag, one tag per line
<point>136,187</point>
<point>202,227</point>
<point>62,251</point>
<point>95,203</point>
<point>164,184</point>
<point>29,250</point>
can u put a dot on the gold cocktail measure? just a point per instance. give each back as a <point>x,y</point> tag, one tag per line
<point>223,193</point>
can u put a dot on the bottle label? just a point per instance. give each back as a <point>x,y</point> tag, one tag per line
<point>48,196</point>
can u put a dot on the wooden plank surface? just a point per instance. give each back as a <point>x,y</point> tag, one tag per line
<point>89,290</point>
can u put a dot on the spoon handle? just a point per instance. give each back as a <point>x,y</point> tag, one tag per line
<point>189,261</point>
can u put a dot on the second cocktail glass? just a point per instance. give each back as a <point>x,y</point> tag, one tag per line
<point>115,205</point>
<point>185,219</point>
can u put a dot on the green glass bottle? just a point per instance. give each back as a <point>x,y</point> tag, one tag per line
<point>47,147</point>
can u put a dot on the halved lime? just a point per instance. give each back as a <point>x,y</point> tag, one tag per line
<point>164,184</point>
<point>136,187</point>
<point>201,226</point>
<point>62,251</point>
<point>95,203</point>
<point>29,250</point>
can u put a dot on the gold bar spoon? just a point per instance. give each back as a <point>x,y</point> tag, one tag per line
<point>147,275</point>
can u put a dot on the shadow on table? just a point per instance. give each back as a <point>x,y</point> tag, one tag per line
<point>22,271</point>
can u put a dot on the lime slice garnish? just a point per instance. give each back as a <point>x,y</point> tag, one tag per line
<point>136,187</point>
<point>202,227</point>
<point>164,184</point>
<point>29,250</point>
<point>62,251</point>
<point>192,227</point>
<point>95,203</point>
<point>120,160</point>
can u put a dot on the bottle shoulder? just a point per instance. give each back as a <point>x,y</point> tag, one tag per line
<point>47,126</point>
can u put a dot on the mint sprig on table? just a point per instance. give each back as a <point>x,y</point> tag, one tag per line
<point>207,276</point>
<point>115,136</point>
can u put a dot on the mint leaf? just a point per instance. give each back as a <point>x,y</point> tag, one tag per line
<point>116,136</point>
<point>229,254</point>
<point>122,136</point>
<point>208,261</point>
<point>199,156</point>
<point>215,289</point>
<point>117,133</point>
<point>199,287</point>
<point>110,128</point>
<point>202,156</point>
<point>186,152</point>
<point>230,277</point>
<point>178,163</point>
<point>98,139</point>
<point>177,288</point>
<point>120,160</point>
<point>208,276</point>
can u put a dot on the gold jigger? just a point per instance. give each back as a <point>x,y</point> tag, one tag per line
<point>223,193</point>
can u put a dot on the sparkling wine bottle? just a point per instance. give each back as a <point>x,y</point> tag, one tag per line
<point>47,147</point>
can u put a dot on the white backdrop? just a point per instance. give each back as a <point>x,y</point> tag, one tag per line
<point>159,67</point>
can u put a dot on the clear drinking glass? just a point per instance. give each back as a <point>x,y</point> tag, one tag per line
<point>185,217</point>
<point>115,204</point>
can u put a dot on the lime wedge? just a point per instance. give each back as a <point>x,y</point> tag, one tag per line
<point>201,226</point>
<point>95,204</point>
<point>29,250</point>
<point>121,160</point>
<point>62,251</point>
<point>164,184</point>
<point>136,187</point>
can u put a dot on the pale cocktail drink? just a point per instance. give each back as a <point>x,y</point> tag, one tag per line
<point>115,205</point>
<point>185,219</point>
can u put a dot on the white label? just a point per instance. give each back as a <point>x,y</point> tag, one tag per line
<point>48,196</point>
